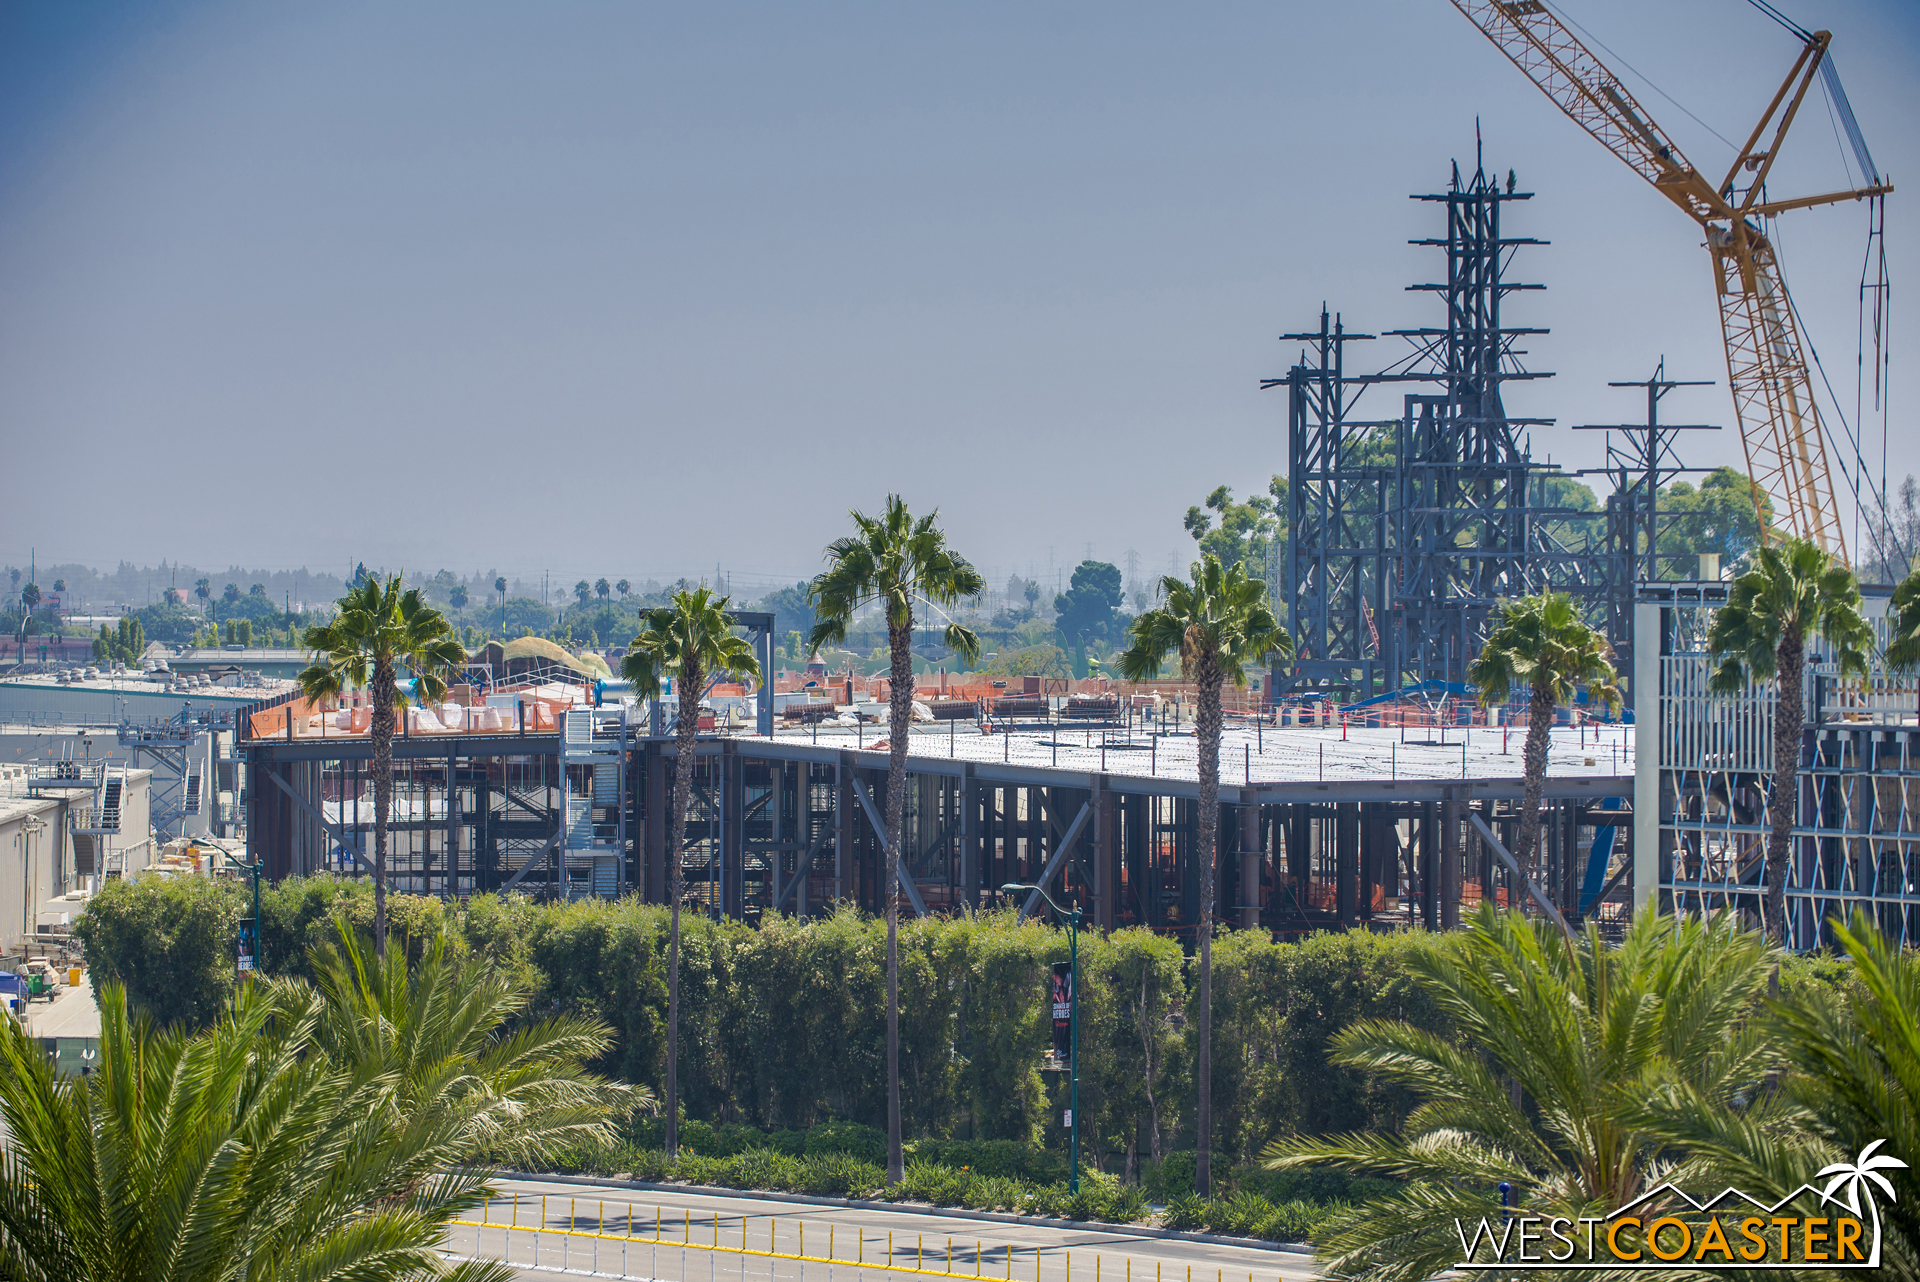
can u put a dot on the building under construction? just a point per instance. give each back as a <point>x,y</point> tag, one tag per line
<point>1391,818</point>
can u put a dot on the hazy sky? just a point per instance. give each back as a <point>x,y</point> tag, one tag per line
<point>641,290</point>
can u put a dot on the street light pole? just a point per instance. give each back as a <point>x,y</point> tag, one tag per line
<point>1072,918</point>
<point>259,866</point>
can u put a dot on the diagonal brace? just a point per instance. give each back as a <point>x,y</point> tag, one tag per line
<point>802,868</point>
<point>1534,892</point>
<point>880,831</point>
<point>538,860</point>
<point>317,817</point>
<point>1059,857</point>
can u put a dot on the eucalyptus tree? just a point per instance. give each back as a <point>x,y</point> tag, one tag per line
<point>379,629</point>
<point>898,564</point>
<point>1220,624</point>
<point>1792,593</point>
<point>686,642</point>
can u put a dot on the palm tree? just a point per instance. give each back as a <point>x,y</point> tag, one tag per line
<point>895,562</point>
<point>1543,644</point>
<point>583,591</point>
<point>1903,651</point>
<point>1854,1054</point>
<point>1792,593</point>
<point>378,629</point>
<point>231,1153</point>
<point>456,1039</point>
<point>203,588</point>
<point>1541,1086</point>
<point>602,589</point>
<point>686,642</point>
<point>1219,624</point>
<point>623,588</point>
<point>457,598</point>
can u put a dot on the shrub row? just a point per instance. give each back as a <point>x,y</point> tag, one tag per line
<point>840,1174</point>
<point>783,1029</point>
<point>1250,1215</point>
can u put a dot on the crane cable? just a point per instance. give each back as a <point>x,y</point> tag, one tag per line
<point>1568,18</point>
<point>1764,7</point>
<point>1859,473</point>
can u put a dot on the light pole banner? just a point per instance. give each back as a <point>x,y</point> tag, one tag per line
<point>1062,1011</point>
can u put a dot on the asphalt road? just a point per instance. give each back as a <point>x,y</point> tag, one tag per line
<point>610,1232</point>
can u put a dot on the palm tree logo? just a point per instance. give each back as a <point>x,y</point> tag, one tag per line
<point>1854,1176</point>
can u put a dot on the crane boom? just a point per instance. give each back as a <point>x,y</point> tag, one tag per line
<point>1786,450</point>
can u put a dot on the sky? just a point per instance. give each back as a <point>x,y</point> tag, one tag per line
<point>647,290</point>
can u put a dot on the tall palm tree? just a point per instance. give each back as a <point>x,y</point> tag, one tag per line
<point>687,642</point>
<point>1543,644</point>
<point>897,563</point>
<point>455,1038</point>
<point>602,588</point>
<point>1220,624</point>
<point>623,587</point>
<point>1792,593</point>
<point>378,629</point>
<point>232,1153</point>
<point>1542,1085</point>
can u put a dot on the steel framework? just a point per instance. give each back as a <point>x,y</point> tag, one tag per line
<point>1406,532</point>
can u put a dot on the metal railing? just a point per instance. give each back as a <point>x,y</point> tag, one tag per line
<point>626,1246</point>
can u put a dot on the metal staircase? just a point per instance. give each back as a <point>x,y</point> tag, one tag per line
<point>94,827</point>
<point>594,737</point>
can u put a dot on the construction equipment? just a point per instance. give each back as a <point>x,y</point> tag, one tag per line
<point>1780,429</point>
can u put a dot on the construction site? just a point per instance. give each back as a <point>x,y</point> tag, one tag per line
<point>1363,783</point>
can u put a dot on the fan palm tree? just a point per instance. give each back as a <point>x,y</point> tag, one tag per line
<point>897,563</point>
<point>1903,651</point>
<point>687,642</point>
<point>233,1153</point>
<point>1542,1086</point>
<point>1792,593</point>
<point>602,589</point>
<point>380,627</point>
<point>1220,624</point>
<point>1543,644</point>
<point>623,587</point>
<point>454,1038</point>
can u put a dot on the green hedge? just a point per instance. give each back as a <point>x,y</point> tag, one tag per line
<point>784,1029</point>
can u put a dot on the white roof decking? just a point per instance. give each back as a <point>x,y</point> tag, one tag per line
<point>1278,763</point>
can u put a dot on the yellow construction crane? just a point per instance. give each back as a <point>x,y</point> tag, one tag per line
<point>1766,365</point>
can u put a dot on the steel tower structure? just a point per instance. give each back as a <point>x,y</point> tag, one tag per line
<point>1407,532</point>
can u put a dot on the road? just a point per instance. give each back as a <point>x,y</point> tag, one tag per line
<point>610,1232</point>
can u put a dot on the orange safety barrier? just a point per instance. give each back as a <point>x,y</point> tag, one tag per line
<point>543,715</point>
